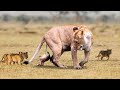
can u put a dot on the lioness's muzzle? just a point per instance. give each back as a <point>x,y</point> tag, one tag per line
<point>81,47</point>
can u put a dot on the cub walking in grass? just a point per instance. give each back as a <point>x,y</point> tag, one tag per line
<point>104,53</point>
<point>13,58</point>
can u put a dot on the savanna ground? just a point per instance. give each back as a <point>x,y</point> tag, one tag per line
<point>15,37</point>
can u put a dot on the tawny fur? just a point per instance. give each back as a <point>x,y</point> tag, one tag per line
<point>13,58</point>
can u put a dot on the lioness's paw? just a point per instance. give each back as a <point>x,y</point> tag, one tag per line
<point>77,67</point>
<point>40,65</point>
<point>81,64</point>
<point>63,66</point>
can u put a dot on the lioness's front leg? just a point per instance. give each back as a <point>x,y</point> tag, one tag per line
<point>74,58</point>
<point>85,60</point>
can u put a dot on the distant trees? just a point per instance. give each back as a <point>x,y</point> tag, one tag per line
<point>23,18</point>
<point>78,16</point>
<point>57,15</point>
<point>6,17</point>
<point>106,18</point>
<point>67,16</point>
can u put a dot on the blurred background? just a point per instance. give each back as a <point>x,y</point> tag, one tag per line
<point>61,16</point>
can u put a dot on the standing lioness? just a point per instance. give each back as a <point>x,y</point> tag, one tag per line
<point>67,38</point>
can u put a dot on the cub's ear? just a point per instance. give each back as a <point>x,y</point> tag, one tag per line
<point>75,28</point>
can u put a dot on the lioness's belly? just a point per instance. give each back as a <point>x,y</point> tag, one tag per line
<point>66,48</point>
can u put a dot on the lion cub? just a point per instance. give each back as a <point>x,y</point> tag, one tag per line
<point>14,58</point>
<point>104,53</point>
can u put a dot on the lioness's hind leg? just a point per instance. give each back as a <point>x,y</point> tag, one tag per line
<point>56,48</point>
<point>56,56</point>
<point>42,61</point>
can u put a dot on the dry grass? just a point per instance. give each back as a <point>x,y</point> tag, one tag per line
<point>15,37</point>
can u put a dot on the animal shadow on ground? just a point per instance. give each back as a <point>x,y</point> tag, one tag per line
<point>27,32</point>
<point>54,67</point>
<point>99,60</point>
<point>106,60</point>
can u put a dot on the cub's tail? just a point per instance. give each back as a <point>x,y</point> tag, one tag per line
<point>98,55</point>
<point>4,58</point>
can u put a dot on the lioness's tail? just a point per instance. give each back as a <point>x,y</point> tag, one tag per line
<point>37,50</point>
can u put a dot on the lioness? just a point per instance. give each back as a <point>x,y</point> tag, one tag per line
<point>14,58</point>
<point>67,38</point>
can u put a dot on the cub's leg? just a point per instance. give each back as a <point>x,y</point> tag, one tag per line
<point>101,57</point>
<point>9,61</point>
<point>108,57</point>
<point>19,62</point>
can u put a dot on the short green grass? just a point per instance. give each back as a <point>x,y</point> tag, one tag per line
<point>13,41</point>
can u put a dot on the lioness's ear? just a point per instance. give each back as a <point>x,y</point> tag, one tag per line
<point>75,40</point>
<point>75,28</point>
<point>82,32</point>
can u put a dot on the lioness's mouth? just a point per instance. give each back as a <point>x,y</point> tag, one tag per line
<point>81,47</point>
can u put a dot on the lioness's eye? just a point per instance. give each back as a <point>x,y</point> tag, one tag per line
<point>77,43</point>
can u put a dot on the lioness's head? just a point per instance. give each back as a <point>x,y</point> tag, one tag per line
<point>78,36</point>
<point>24,54</point>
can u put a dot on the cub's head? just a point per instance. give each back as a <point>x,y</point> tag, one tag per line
<point>24,54</point>
<point>78,36</point>
<point>109,51</point>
